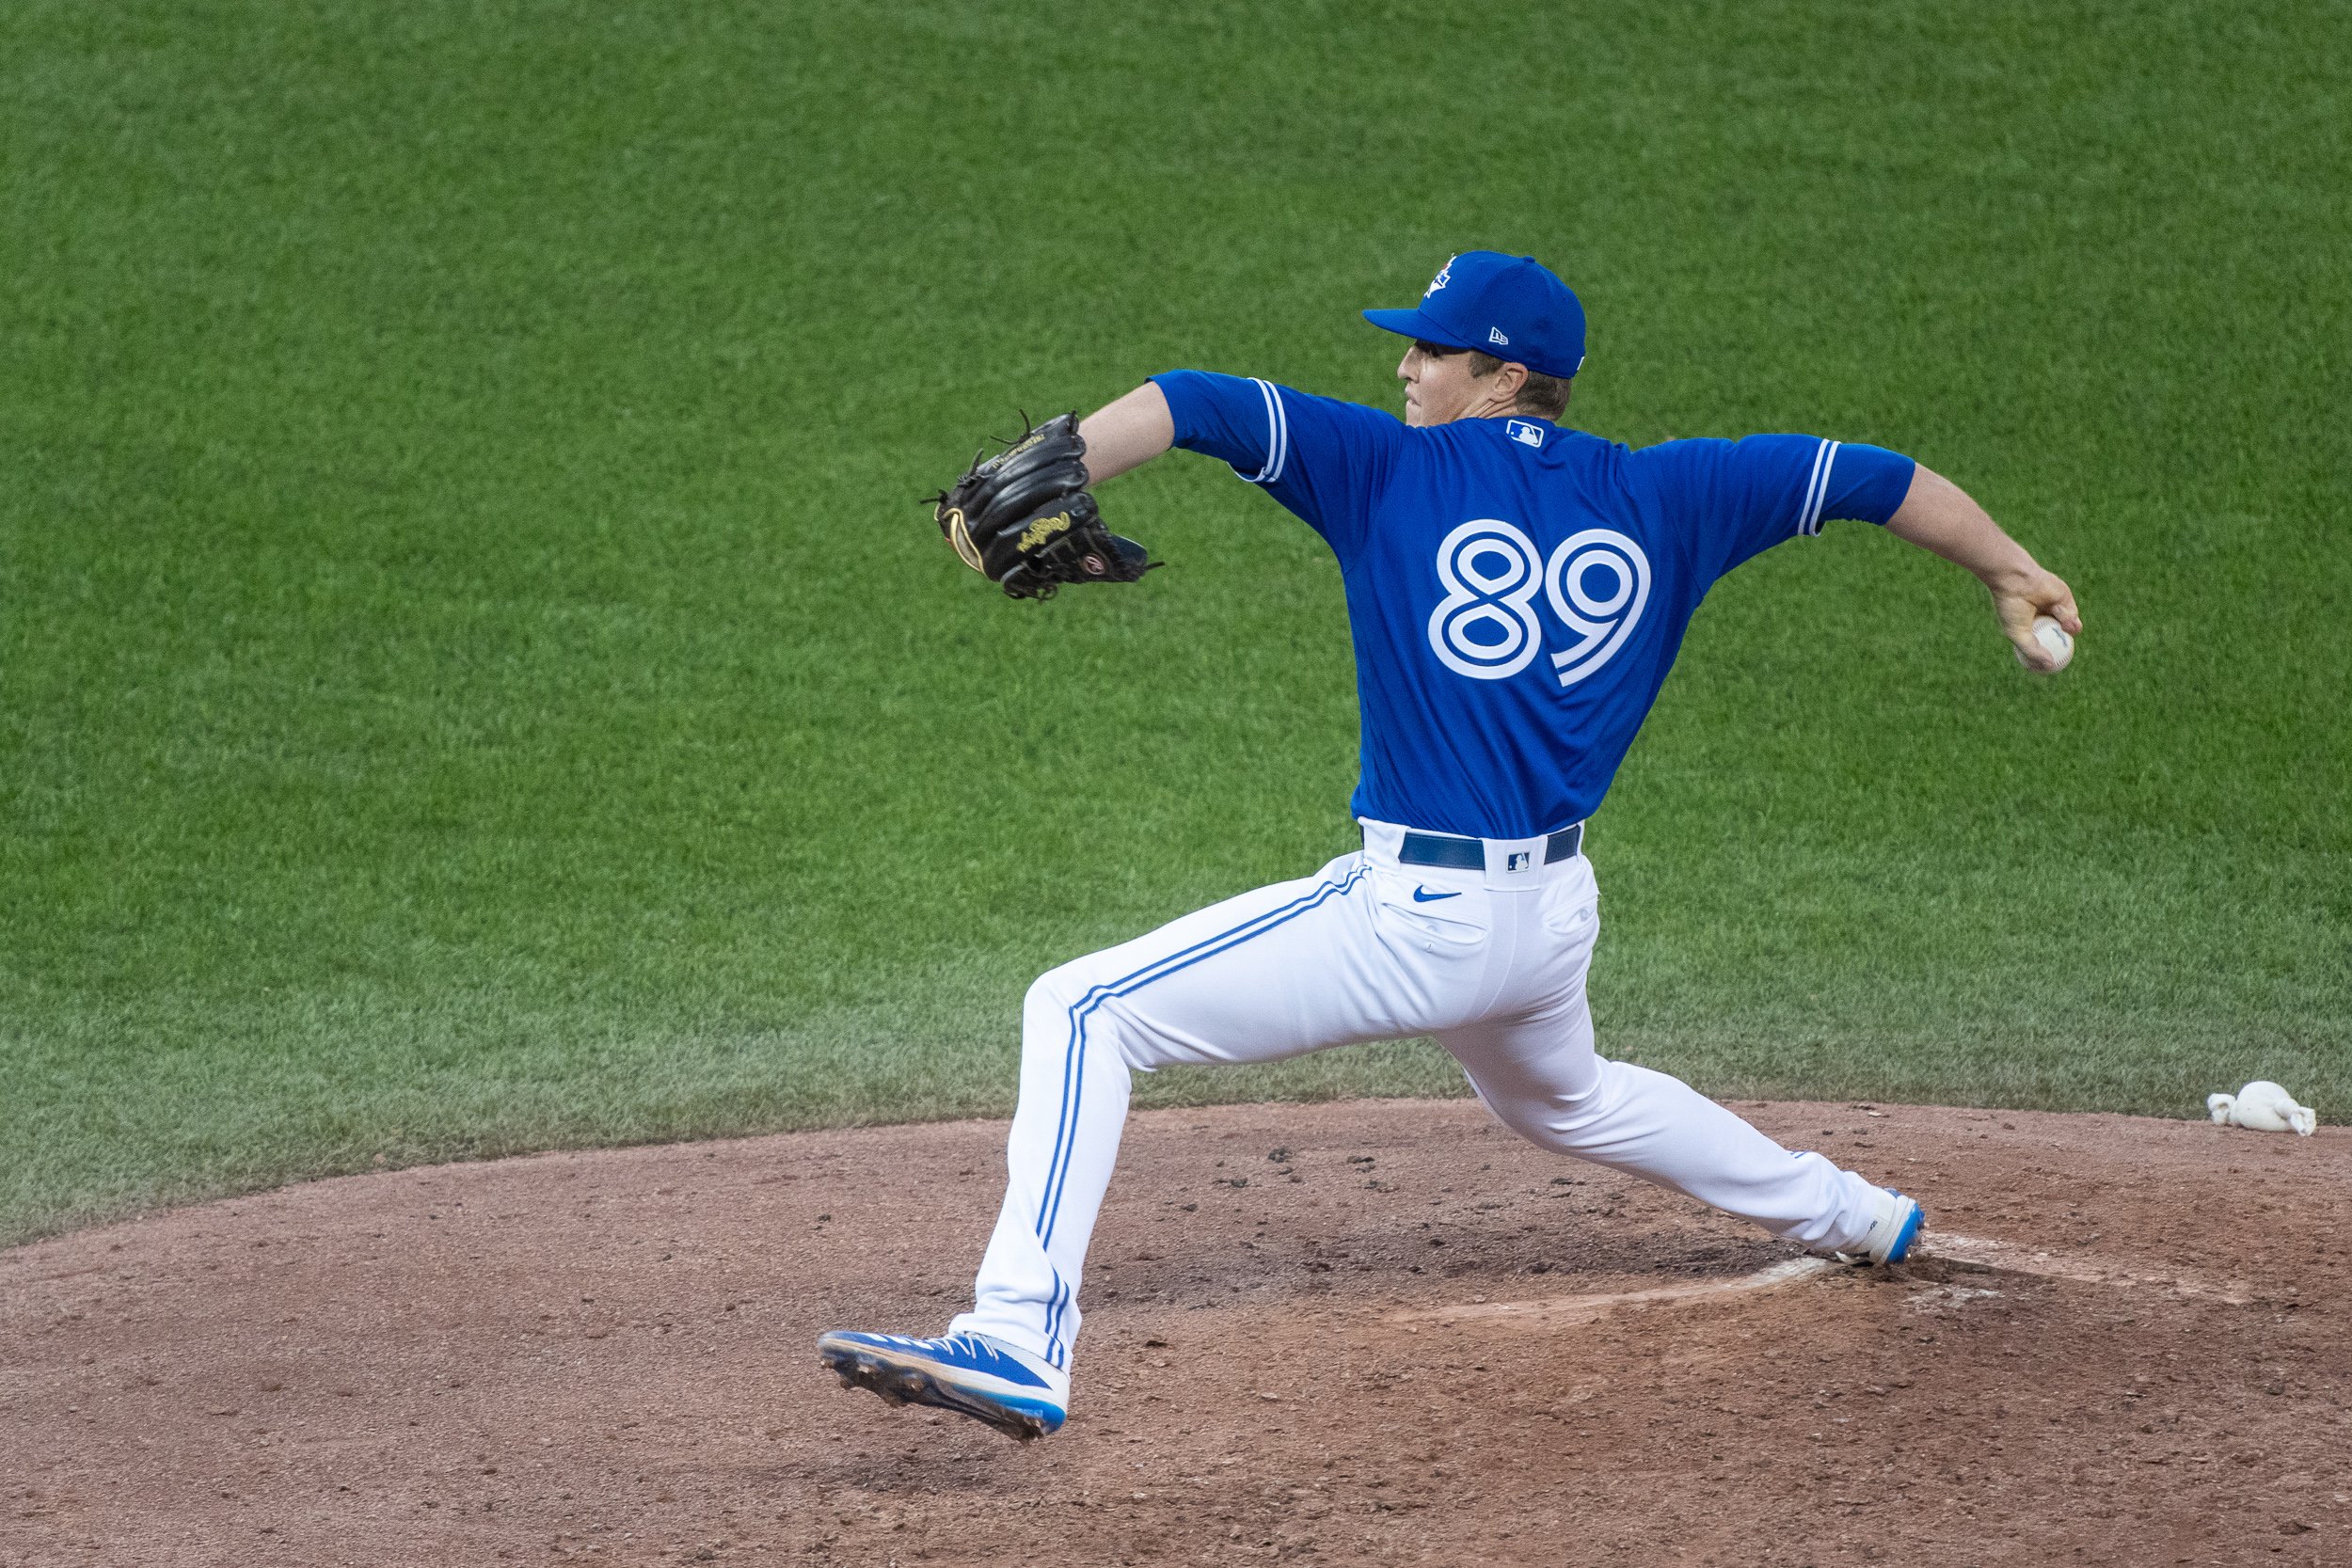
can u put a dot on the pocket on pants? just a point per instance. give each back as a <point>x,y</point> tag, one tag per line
<point>1455,917</point>
<point>1571,907</point>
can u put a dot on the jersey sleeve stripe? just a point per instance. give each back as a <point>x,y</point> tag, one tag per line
<point>1283,419</point>
<point>1273,434</point>
<point>1812,484</point>
<point>1278,437</point>
<point>1816,494</point>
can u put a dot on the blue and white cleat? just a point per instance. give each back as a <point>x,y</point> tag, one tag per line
<point>1892,1229</point>
<point>973,1375</point>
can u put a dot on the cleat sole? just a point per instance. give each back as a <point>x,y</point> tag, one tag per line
<point>904,1385</point>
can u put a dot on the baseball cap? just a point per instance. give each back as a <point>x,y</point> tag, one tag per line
<point>1511,307</point>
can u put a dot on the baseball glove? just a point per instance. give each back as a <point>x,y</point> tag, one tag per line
<point>1025,520</point>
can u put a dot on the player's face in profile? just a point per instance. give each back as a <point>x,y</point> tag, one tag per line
<point>1439,387</point>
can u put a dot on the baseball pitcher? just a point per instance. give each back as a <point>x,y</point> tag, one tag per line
<point>1517,591</point>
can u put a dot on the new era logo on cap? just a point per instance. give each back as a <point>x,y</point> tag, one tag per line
<point>1513,305</point>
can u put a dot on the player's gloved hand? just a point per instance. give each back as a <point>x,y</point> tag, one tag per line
<point>1024,520</point>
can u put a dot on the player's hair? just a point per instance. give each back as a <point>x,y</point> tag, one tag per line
<point>1544,396</point>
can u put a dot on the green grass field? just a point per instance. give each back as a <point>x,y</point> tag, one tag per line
<point>475,674</point>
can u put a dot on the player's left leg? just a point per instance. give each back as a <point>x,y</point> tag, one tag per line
<point>1533,1062</point>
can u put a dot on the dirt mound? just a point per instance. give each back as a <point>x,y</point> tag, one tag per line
<point>1368,1333</point>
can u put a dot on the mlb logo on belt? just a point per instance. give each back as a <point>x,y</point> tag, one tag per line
<point>1520,860</point>
<point>1526,434</point>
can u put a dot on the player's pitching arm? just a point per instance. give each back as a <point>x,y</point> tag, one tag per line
<point>1938,515</point>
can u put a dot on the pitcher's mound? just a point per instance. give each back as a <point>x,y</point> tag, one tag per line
<point>1367,1333</point>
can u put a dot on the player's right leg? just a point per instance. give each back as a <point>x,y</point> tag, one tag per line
<point>1273,973</point>
<point>1255,978</point>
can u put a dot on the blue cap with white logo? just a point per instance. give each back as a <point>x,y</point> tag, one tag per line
<point>1511,307</point>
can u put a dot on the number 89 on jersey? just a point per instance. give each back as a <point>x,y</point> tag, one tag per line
<point>1487,626</point>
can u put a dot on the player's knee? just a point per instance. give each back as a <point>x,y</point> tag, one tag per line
<point>1057,990</point>
<point>1073,1002</point>
<point>1549,1115</point>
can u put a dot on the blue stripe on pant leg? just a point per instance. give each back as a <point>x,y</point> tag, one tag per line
<point>1073,1070</point>
<point>1053,1312</point>
<point>1073,1080</point>
<point>1058,1171</point>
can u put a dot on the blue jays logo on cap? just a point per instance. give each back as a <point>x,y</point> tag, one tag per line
<point>1512,306</point>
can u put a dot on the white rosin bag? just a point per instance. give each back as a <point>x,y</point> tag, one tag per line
<point>2264,1107</point>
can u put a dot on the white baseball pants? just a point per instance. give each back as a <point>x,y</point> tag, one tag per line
<point>1491,961</point>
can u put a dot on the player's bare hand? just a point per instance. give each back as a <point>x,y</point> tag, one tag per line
<point>2035,593</point>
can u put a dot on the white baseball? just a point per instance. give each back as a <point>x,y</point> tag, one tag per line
<point>2054,641</point>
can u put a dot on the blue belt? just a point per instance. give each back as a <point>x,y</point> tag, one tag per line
<point>1470,854</point>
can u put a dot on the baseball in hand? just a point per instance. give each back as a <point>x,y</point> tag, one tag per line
<point>2054,642</point>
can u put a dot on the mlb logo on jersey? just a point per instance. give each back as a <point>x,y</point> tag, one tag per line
<point>1526,434</point>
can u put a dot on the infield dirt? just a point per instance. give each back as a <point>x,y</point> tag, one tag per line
<point>1359,1333</point>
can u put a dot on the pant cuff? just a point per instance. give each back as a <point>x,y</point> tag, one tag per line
<point>1012,1331</point>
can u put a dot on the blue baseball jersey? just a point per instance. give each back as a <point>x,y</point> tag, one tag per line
<point>1517,592</point>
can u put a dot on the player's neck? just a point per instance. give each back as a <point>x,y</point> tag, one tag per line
<point>1485,411</point>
